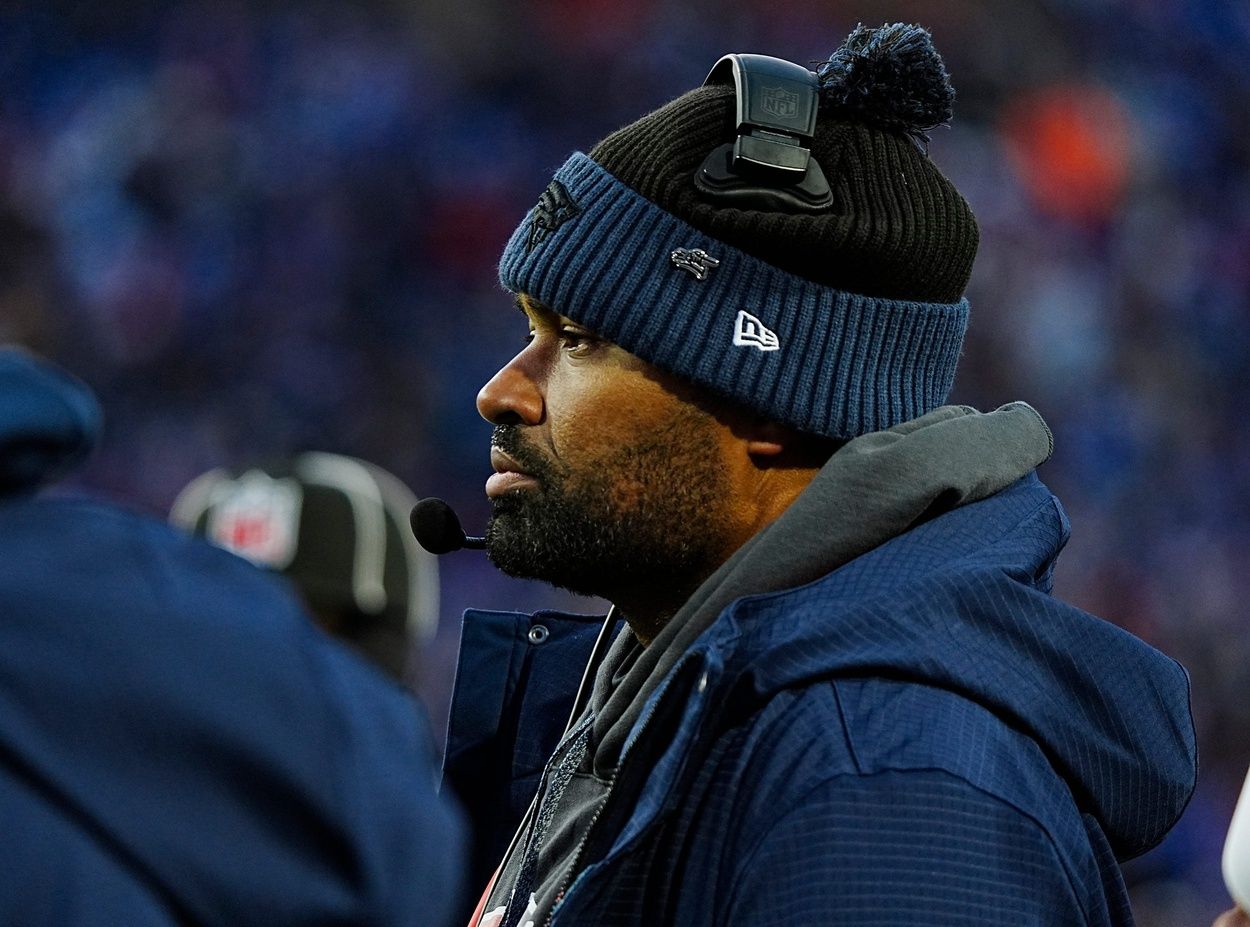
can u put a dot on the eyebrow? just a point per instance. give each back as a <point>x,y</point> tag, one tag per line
<point>524,300</point>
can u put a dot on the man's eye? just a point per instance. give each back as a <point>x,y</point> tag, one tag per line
<point>575,341</point>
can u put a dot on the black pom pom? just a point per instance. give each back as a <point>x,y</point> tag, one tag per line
<point>891,77</point>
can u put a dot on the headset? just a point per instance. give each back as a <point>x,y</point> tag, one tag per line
<point>770,165</point>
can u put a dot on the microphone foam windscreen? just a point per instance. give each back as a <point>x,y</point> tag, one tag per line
<point>436,526</point>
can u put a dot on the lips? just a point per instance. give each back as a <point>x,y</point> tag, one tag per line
<point>508,474</point>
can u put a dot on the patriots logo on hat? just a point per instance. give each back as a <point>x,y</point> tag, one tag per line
<point>555,207</point>
<point>695,260</point>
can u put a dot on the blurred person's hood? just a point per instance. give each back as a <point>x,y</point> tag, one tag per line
<point>179,743</point>
<point>48,421</point>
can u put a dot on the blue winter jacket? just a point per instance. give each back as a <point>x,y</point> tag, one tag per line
<point>178,744</point>
<point>922,736</point>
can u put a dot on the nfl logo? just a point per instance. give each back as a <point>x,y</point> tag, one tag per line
<point>258,518</point>
<point>778,101</point>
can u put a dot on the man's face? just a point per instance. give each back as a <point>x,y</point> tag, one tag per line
<point>609,476</point>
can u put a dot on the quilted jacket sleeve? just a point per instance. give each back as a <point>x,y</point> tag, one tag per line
<point>902,848</point>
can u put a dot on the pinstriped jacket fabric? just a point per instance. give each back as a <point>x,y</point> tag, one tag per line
<point>925,735</point>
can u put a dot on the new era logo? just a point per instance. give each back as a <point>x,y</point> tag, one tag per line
<point>751,332</point>
<point>555,207</point>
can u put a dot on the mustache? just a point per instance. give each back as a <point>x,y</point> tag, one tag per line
<point>508,439</point>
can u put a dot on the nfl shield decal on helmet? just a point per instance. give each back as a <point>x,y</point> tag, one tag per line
<point>258,518</point>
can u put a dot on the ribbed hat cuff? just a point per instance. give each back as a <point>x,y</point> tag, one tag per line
<point>819,359</point>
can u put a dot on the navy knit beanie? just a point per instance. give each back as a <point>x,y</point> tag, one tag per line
<point>838,321</point>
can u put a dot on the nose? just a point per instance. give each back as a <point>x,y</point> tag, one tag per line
<point>511,396</point>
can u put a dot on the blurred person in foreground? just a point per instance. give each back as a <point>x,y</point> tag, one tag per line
<point>834,687</point>
<point>337,528</point>
<point>178,744</point>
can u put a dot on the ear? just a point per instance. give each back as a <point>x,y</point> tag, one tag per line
<point>773,445</point>
<point>768,440</point>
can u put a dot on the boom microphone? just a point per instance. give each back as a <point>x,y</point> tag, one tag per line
<point>437,528</point>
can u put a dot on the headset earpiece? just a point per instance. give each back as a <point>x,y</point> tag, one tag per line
<point>770,164</point>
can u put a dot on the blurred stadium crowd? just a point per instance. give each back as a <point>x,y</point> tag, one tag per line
<point>261,228</point>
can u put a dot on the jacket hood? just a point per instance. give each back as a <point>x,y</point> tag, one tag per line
<point>962,603</point>
<point>48,421</point>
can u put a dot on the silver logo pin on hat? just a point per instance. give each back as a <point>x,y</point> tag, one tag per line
<point>695,260</point>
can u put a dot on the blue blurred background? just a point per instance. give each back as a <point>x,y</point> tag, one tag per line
<point>256,228</point>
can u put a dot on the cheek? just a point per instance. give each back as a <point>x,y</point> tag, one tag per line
<point>633,444</point>
<point>597,417</point>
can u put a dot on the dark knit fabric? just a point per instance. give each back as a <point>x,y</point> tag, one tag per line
<point>839,322</point>
<point>897,228</point>
<point>844,364</point>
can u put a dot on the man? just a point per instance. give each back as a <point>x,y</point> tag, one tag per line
<point>178,743</point>
<point>337,529</point>
<point>834,687</point>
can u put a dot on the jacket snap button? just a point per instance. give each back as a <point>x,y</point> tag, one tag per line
<point>538,634</point>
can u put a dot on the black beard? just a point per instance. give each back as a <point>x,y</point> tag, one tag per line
<point>646,514</point>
